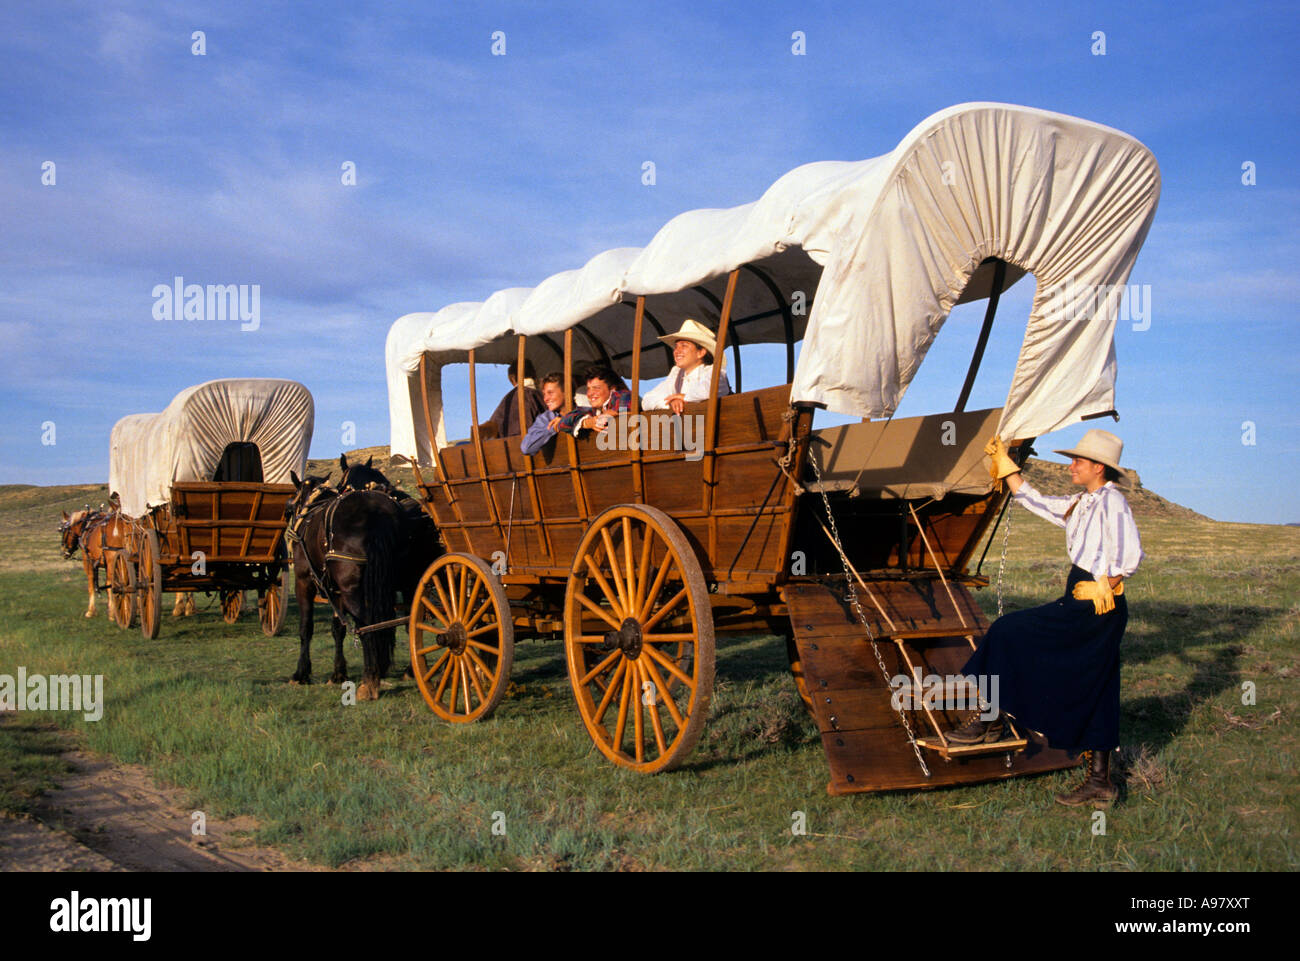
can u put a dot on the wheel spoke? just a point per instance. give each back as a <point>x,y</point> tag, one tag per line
<point>599,716</point>
<point>669,666</point>
<point>464,681</point>
<point>612,557</point>
<point>662,689</point>
<point>495,651</point>
<point>622,709</point>
<point>669,561</point>
<point>436,664</point>
<point>642,570</point>
<point>440,615</point>
<point>460,589</point>
<point>446,676</point>
<point>442,596</point>
<point>666,638</point>
<point>638,725</point>
<point>591,605</point>
<point>627,559</point>
<point>590,639</point>
<point>474,619</point>
<point>425,650</point>
<point>594,570</point>
<point>483,630</point>
<point>663,611</point>
<point>599,668</point>
<point>473,677</point>
<point>657,724</point>
<point>488,673</point>
<point>451,592</point>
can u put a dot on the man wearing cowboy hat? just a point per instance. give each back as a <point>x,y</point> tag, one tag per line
<point>1059,664</point>
<point>689,380</point>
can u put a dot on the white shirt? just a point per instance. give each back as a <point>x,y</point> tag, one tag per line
<point>695,386</point>
<point>1100,534</point>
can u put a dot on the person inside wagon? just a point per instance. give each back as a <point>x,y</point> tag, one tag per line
<point>606,396</point>
<point>504,421</point>
<point>547,423</point>
<point>692,374</point>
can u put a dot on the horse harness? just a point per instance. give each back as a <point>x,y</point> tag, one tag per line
<point>324,583</point>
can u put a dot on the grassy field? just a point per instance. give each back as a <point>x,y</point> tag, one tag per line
<point>1211,782</point>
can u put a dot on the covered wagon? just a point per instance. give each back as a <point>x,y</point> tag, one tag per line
<point>856,542</point>
<point>204,485</point>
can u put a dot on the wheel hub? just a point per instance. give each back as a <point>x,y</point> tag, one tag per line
<point>455,638</point>
<point>628,638</point>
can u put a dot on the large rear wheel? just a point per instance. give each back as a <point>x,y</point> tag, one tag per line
<point>638,638</point>
<point>462,638</point>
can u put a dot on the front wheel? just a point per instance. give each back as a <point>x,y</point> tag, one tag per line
<point>272,603</point>
<point>462,638</point>
<point>121,590</point>
<point>638,638</point>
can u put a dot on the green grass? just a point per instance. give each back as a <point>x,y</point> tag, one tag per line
<point>1210,780</point>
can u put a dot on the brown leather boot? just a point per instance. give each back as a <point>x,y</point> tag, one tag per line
<point>976,731</point>
<point>1097,789</point>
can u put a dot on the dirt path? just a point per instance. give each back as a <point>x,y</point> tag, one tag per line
<point>115,817</point>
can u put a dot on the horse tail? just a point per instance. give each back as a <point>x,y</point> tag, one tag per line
<point>378,589</point>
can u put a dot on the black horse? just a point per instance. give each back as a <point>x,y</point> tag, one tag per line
<point>420,543</point>
<point>345,545</point>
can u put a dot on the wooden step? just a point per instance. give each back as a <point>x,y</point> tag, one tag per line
<point>864,738</point>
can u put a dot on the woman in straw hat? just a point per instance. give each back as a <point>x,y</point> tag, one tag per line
<point>1058,665</point>
<point>692,374</point>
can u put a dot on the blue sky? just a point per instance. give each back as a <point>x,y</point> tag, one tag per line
<point>476,172</point>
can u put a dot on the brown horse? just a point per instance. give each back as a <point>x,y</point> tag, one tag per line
<point>98,535</point>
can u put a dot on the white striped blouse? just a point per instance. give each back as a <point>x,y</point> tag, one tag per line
<point>1100,534</point>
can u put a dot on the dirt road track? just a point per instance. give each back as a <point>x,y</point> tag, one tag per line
<point>115,817</point>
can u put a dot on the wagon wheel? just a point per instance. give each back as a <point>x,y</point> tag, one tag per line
<point>272,603</point>
<point>634,575</point>
<point>121,590</point>
<point>462,638</point>
<point>232,602</point>
<point>150,585</point>
<point>796,669</point>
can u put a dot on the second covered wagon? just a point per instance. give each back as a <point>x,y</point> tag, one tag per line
<point>203,486</point>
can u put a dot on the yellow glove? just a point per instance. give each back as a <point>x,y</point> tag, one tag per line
<point>1003,465</point>
<point>1100,593</point>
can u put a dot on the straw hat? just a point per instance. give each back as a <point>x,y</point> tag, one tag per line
<point>696,333</point>
<point>1101,446</point>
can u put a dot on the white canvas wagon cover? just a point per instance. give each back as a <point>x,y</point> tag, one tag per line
<point>881,249</point>
<point>150,452</point>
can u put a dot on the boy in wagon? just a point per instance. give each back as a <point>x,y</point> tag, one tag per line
<point>606,396</point>
<point>692,374</point>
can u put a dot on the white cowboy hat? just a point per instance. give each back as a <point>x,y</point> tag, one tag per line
<point>696,333</point>
<point>1101,446</point>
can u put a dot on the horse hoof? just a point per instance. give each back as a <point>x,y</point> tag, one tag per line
<point>366,692</point>
<point>294,682</point>
<point>90,613</point>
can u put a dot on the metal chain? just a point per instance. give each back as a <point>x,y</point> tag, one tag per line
<point>1002,565</point>
<point>853,599</point>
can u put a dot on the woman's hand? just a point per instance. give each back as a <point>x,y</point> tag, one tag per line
<point>1002,465</point>
<point>1099,592</point>
<point>676,403</point>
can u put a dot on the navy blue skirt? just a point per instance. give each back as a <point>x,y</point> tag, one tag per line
<point>1057,669</point>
